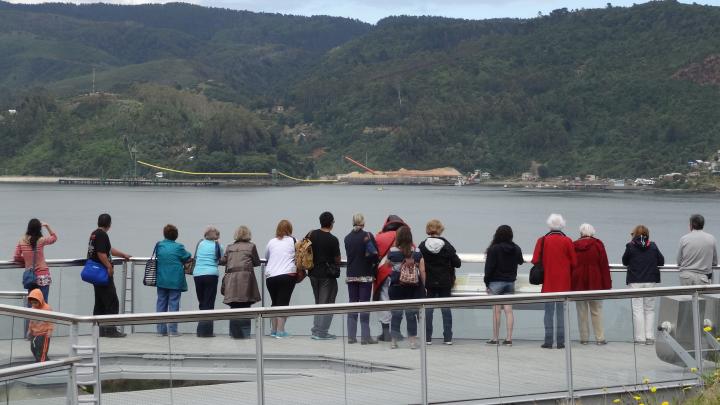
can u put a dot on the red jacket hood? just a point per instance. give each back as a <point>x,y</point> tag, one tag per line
<point>583,244</point>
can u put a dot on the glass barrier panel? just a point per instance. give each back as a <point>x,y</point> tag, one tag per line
<point>219,369</point>
<point>11,334</point>
<point>42,389</point>
<point>69,294</point>
<point>462,359</point>
<point>135,369</point>
<point>603,353</point>
<point>710,336</point>
<point>382,372</point>
<point>301,369</point>
<point>668,355</point>
<point>528,368</point>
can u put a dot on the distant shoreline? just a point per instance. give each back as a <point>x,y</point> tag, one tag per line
<point>505,185</point>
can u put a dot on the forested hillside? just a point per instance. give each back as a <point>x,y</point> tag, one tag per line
<point>615,91</point>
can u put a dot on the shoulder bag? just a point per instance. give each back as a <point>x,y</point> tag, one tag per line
<point>95,273</point>
<point>150,277</point>
<point>300,273</point>
<point>189,265</point>
<point>537,272</point>
<point>28,277</point>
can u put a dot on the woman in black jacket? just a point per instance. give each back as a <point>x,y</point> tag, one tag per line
<point>503,257</point>
<point>643,259</point>
<point>440,264</point>
<point>361,268</point>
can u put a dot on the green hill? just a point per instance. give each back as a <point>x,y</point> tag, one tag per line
<point>620,92</point>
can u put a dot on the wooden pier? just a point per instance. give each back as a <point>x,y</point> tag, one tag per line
<point>139,182</point>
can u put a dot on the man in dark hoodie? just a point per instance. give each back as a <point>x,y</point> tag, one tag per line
<point>441,260</point>
<point>385,239</point>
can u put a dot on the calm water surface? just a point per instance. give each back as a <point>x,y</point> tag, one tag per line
<point>470,215</point>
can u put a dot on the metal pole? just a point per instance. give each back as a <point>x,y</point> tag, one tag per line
<point>72,388</point>
<point>697,328</point>
<point>123,290</point>
<point>262,284</point>
<point>423,356</point>
<point>259,359</point>
<point>132,294</point>
<point>568,352</point>
<point>96,359</point>
<point>123,287</point>
<point>262,288</point>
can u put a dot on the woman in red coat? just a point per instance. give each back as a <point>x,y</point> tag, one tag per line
<point>591,273</point>
<point>558,258</point>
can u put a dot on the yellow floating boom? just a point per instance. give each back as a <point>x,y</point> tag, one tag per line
<point>167,169</point>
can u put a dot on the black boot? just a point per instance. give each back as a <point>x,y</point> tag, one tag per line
<point>385,335</point>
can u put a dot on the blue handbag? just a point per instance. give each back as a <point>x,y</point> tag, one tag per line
<point>28,277</point>
<point>95,273</point>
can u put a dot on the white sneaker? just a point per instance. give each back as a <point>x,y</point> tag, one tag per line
<point>449,343</point>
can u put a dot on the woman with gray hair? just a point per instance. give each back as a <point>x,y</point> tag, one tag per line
<point>556,253</point>
<point>207,256</point>
<point>239,285</point>
<point>592,272</point>
<point>362,260</point>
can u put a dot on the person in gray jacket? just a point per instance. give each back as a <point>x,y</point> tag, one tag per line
<point>239,285</point>
<point>697,254</point>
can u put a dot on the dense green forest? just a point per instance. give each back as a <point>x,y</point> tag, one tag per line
<point>618,92</point>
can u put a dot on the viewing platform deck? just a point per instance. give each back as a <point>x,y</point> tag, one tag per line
<point>299,370</point>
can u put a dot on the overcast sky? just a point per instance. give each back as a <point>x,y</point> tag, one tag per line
<point>373,10</point>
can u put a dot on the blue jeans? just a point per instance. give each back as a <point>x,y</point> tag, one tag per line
<point>398,292</point>
<point>558,310</point>
<point>359,292</point>
<point>167,301</point>
<point>446,314</point>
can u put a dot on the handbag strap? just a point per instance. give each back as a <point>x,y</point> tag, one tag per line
<point>542,249</point>
<point>154,253</point>
<point>197,246</point>
<point>34,260</point>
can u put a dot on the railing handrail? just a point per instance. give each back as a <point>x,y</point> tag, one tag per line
<point>464,257</point>
<point>306,310</point>
<point>13,294</point>
<point>29,370</point>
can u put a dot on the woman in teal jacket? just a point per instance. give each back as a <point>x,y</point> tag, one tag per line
<point>170,277</point>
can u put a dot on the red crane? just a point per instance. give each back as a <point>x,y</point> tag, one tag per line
<point>356,163</point>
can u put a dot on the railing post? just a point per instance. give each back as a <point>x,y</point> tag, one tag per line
<point>568,352</point>
<point>259,359</point>
<point>262,285</point>
<point>423,356</point>
<point>72,388</point>
<point>697,335</point>
<point>97,393</point>
<point>123,287</point>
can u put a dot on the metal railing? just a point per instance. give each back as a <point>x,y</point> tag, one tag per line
<point>127,272</point>
<point>126,282</point>
<point>261,313</point>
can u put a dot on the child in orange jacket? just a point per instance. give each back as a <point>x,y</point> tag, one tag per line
<point>39,331</point>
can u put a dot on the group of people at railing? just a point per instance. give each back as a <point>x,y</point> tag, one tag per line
<point>388,265</point>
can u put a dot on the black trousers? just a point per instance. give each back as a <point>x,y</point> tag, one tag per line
<point>240,328</point>
<point>106,303</point>
<point>206,290</point>
<point>39,346</point>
